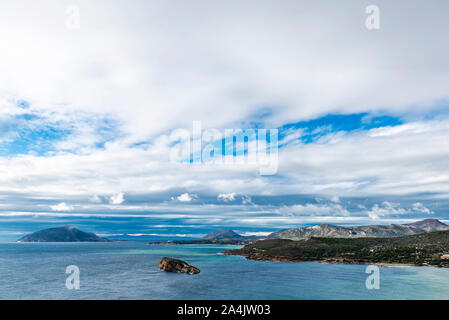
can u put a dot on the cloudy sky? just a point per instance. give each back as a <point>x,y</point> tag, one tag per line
<point>89,106</point>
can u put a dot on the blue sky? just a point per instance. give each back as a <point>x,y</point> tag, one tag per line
<point>29,132</point>
<point>88,115</point>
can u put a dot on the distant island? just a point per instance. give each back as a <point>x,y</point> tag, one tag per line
<point>62,234</point>
<point>431,249</point>
<point>224,237</point>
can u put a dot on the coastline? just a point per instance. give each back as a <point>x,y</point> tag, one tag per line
<point>260,257</point>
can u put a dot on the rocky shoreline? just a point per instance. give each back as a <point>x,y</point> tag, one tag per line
<point>339,260</point>
<point>430,249</point>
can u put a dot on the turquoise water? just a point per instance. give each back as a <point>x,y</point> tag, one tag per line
<point>127,270</point>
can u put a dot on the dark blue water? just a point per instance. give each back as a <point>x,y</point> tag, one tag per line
<point>128,270</point>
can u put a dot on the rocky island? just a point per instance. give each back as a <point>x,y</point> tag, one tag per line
<point>62,234</point>
<point>175,265</point>
<point>430,249</point>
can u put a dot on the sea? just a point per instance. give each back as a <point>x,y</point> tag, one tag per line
<point>128,270</point>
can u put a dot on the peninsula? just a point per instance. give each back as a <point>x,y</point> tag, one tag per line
<point>430,249</point>
<point>377,231</point>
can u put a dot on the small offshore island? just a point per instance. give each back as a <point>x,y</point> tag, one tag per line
<point>428,249</point>
<point>175,265</point>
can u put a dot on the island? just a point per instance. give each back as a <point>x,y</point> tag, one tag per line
<point>428,249</point>
<point>176,265</point>
<point>62,234</point>
<point>224,237</point>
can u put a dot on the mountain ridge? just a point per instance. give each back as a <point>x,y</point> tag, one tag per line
<point>378,231</point>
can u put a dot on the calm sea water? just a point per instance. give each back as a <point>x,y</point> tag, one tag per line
<point>127,270</point>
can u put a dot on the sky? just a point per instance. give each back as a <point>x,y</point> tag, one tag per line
<point>93,92</point>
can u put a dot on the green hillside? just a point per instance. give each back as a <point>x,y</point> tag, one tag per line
<point>422,249</point>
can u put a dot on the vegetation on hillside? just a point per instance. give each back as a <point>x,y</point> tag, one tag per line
<point>422,249</point>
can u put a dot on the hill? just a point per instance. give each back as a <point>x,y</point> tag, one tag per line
<point>384,231</point>
<point>423,249</point>
<point>223,234</point>
<point>228,237</point>
<point>62,234</point>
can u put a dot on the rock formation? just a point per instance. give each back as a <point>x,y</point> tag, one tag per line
<point>175,265</point>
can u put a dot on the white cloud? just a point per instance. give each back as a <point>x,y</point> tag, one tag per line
<point>62,207</point>
<point>185,197</point>
<point>183,235</point>
<point>391,209</point>
<point>310,209</point>
<point>257,234</point>
<point>335,199</point>
<point>226,197</point>
<point>407,162</point>
<point>387,208</point>
<point>95,199</point>
<point>419,207</point>
<point>118,198</point>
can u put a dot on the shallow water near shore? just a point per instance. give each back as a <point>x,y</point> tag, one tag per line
<point>128,270</point>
